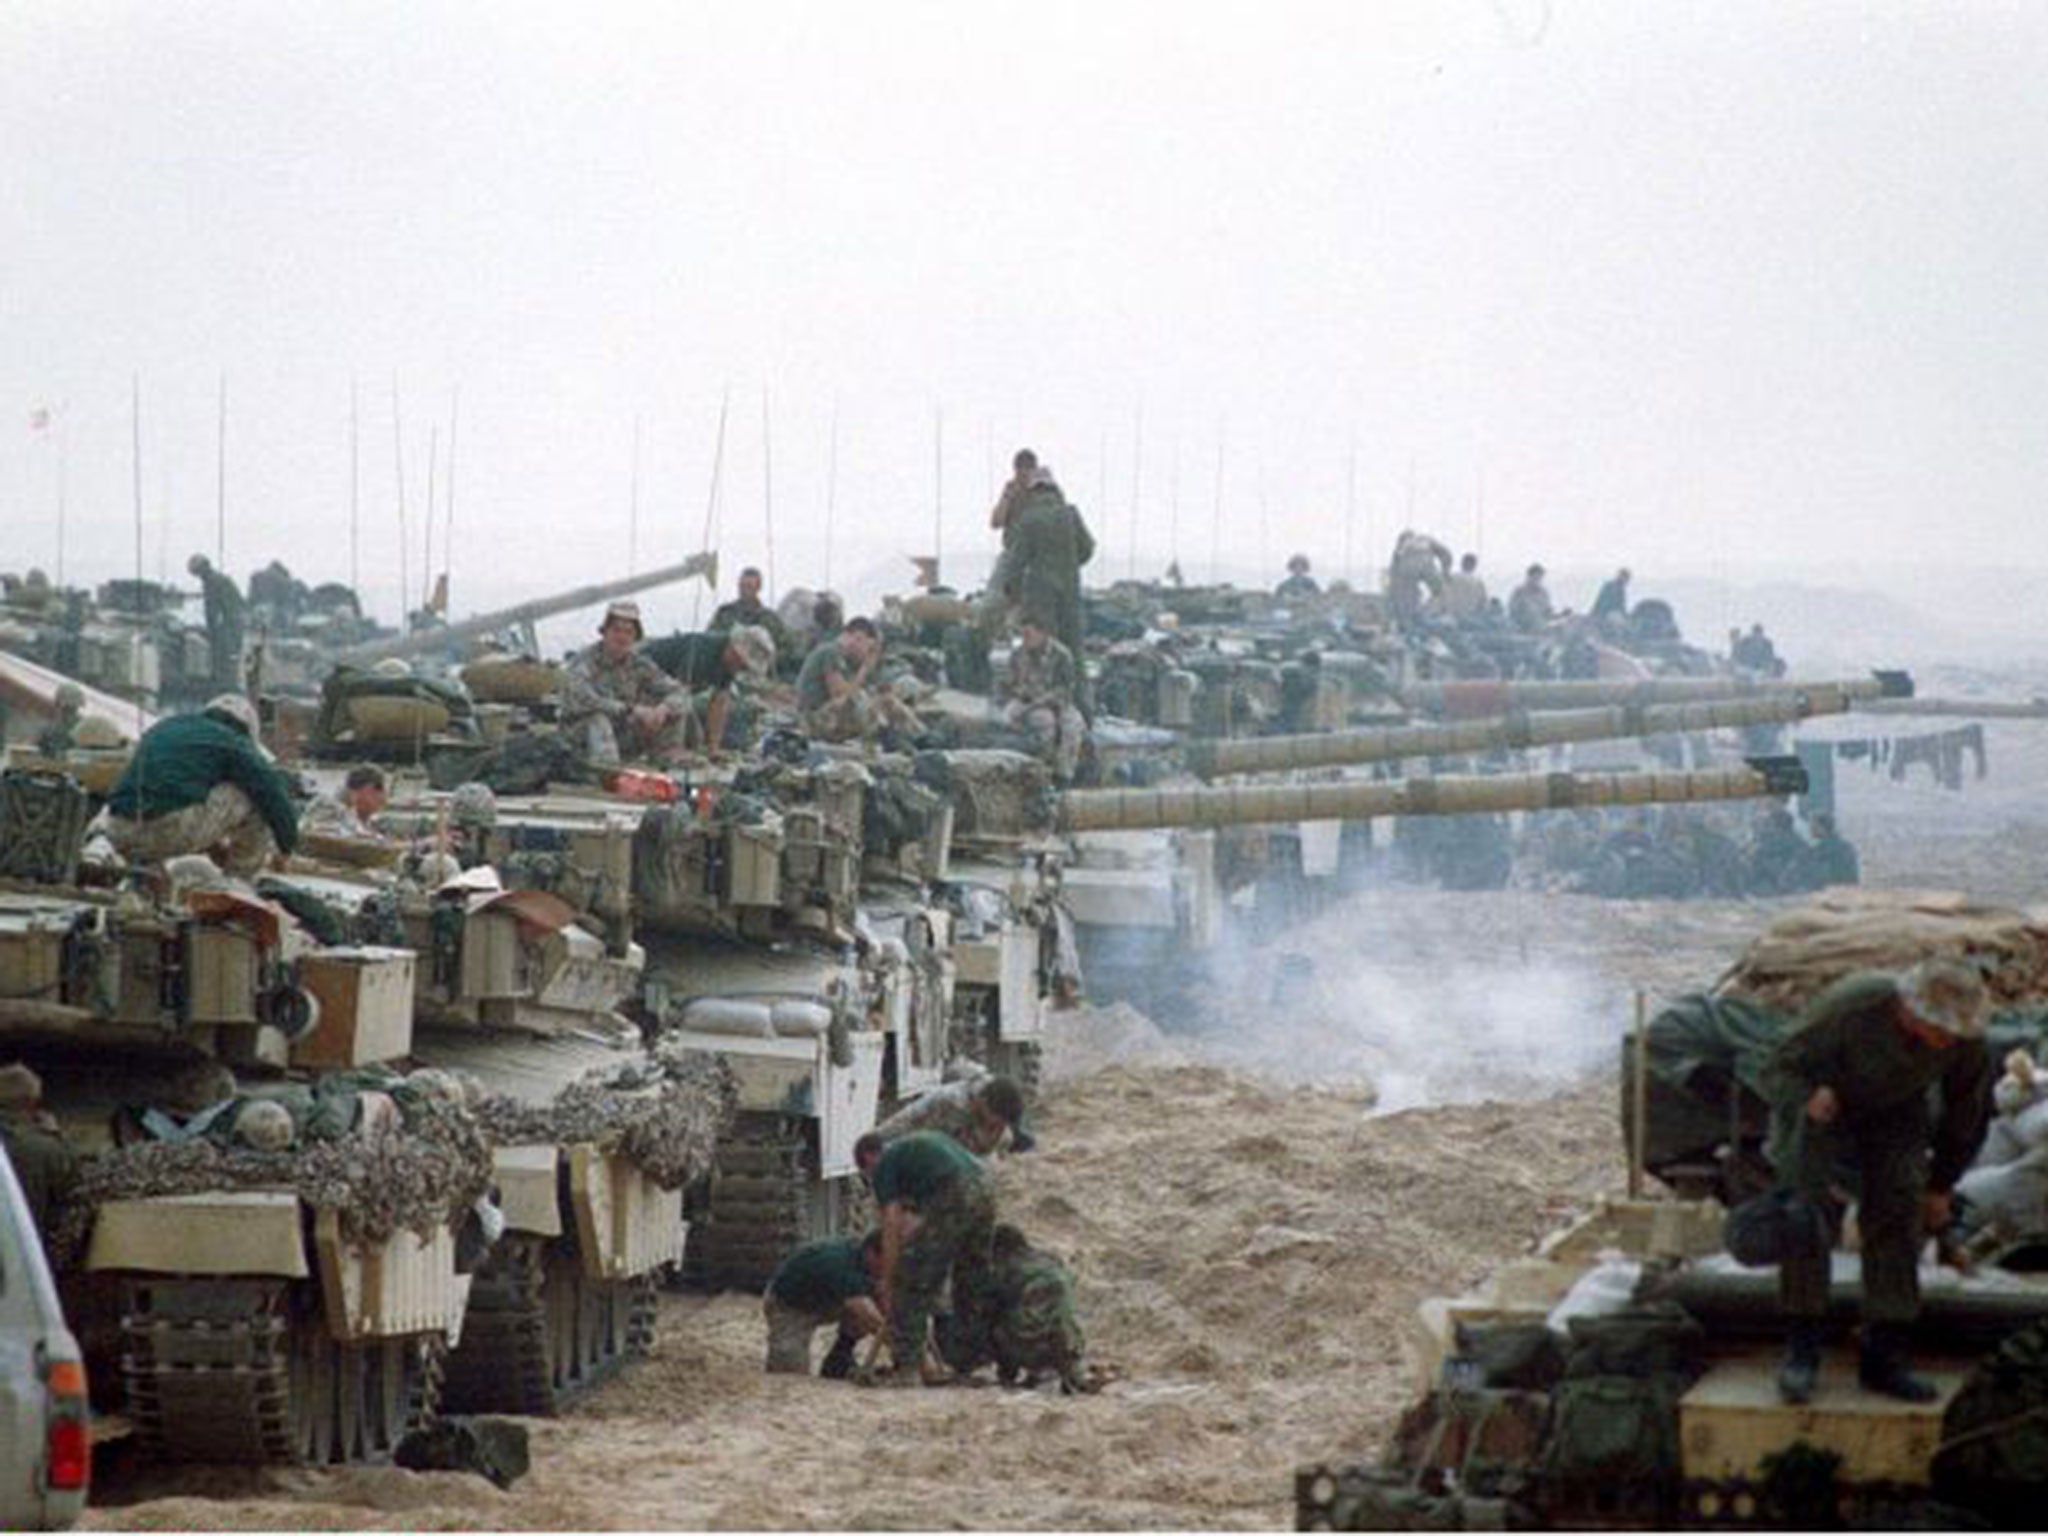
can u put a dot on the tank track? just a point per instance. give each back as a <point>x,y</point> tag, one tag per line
<point>539,1333</point>
<point>971,1033</point>
<point>755,1207</point>
<point>228,1370</point>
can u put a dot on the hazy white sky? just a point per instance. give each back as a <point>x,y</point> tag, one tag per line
<point>1685,285</point>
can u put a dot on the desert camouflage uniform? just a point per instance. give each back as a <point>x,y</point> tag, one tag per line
<point>226,821</point>
<point>333,816</point>
<point>1034,1328</point>
<point>598,699</point>
<point>1040,686</point>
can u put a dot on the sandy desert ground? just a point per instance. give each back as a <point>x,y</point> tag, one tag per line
<point>1254,1205</point>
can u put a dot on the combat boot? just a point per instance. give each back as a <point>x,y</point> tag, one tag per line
<point>1800,1373</point>
<point>1886,1366</point>
<point>838,1362</point>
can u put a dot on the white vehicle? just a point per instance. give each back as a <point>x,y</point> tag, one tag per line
<point>45,1431</point>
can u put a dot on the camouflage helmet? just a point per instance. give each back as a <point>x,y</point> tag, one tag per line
<point>627,610</point>
<point>391,666</point>
<point>70,695</point>
<point>756,648</point>
<point>473,805</point>
<point>264,1124</point>
<point>20,1088</point>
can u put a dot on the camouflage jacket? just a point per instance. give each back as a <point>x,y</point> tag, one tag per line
<point>592,684</point>
<point>1040,677</point>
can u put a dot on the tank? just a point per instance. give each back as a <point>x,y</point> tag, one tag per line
<point>239,1305</point>
<point>1515,1425</point>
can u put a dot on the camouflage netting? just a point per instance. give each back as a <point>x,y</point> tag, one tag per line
<point>414,1178</point>
<point>1855,929</point>
<point>994,793</point>
<point>666,1113</point>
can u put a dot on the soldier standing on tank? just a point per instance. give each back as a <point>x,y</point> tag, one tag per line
<point>44,1162</point>
<point>1046,544</point>
<point>226,621</point>
<point>1529,607</point>
<point>616,701</point>
<point>1854,1077</point>
<point>1298,584</point>
<point>60,735</point>
<point>1419,565</point>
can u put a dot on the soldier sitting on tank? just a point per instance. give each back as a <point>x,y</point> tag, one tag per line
<point>617,703</point>
<point>1039,692</point>
<point>1857,1080</point>
<point>1610,605</point>
<point>1754,653</point>
<point>350,811</point>
<point>44,1162</point>
<point>1529,607</point>
<point>837,693</point>
<point>718,666</point>
<point>938,1212</point>
<point>983,1114</point>
<point>1298,584</point>
<point>200,784</point>
<point>825,1284</point>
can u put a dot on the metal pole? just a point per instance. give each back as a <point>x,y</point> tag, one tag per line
<point>355,495</point>
<point>1639,1099</point>
<point>220,531</point>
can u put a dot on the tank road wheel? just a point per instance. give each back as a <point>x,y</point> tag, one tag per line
<point>539,1331</point>
<point>763,1198</point>
<point>246,1371</point>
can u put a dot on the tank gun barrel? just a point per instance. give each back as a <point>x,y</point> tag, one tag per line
<point>705,565</point>
<point>1520,729</point>
<point>1464,700</point>
<point>1096,810</point>
<point>1969,709</point>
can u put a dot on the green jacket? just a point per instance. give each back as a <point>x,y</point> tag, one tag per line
<point>45,1165</point>
<point>178,762</point>
<point>1048,543</point>
<point>1849,1040</point>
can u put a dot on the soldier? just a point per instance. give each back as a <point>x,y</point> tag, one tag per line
<point>1610,607</point>
<point>1778,855</point>
<point>1298,583</point>
<point>1419,564</point>
<point>1832,859</point>
<point>1046,544</point>
<point>938,1213</point>
<point>1854,1078</point>
<point>748,609</point>
<point>1032,1327</point>
<point>716,664</point>
<point>1754,653</point>
<point>1039,690</point>
<point>979,1113</point>
<point>200,784</point>
<point>1463,598</point>
<point>349,812</point>
<point>226,616</point>
<point>615,701</point>
<point>1529,607</point>
<point>60,735</point>
<point>825,1284</point>
<point>835,691</point>
<point>44,1162</point>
